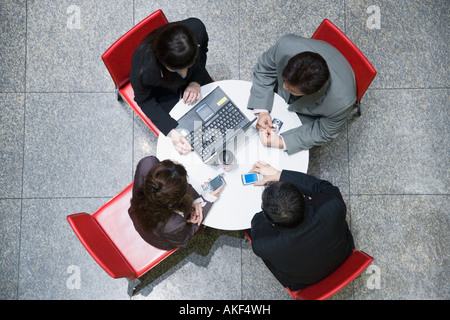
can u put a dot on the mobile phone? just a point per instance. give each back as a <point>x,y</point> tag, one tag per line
<point>277,124</point>
<point>250,178</point>
<point>214,183</point>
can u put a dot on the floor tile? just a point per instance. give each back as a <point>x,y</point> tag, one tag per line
<point>263,22</point>
<point>400,143</point>
<point>408,237</point>
<point>208,269</point>
<point>53,262</point>
<point>411,45</point>
<point>144,141</point>
<point>258,283</point>
<point>76,145</point>
<point>11,144</point>
<point>13,45</point>
<point>65,42</point>
<point>221,21</point>
<point>10,213</point>
<point>330,162</point>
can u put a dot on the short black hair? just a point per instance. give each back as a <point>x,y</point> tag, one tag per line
<point>308,71</point>
<point>283,204</point>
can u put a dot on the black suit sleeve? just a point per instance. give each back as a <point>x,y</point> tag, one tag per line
<point>154,100</point>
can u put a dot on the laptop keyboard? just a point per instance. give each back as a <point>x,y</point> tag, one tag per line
<point>205,138</point>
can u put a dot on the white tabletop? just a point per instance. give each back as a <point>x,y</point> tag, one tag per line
<point>237,204</point>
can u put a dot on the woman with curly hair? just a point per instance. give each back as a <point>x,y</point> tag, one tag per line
<point>166,211</point>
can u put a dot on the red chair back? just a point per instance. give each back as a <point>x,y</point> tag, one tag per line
<point>111,239</point>
<point>339,279</point>
<point>118,57</point>
<point>362,68</point>
<point>99,245</point>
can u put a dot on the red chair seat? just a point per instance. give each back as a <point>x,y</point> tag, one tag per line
<point>117,59</point>
<point>111,239</point>
<point>127,94</point>
<point>114,219</point>
<point>338,280</point>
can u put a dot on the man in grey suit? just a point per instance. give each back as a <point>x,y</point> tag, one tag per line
<point>315,80</point>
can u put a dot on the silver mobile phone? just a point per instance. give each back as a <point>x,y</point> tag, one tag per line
<point>277,124</point>
<point>250,178</point>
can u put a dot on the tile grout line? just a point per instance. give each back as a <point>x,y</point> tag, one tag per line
<point>23,151</point>
<point>133,117</point>
<point>348,159</point>
<point>109,92</point>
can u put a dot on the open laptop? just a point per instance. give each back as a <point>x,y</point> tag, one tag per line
<point>212,123</point>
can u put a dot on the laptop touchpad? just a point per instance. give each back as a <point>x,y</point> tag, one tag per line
<point>205,112</point>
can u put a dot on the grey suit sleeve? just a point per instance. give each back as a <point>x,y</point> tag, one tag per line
<point>315,133</point>
<point>264,80</point>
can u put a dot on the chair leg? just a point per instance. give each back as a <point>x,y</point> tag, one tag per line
<point>118,96</point>
<point>132,284</point>
<point>356,113</point>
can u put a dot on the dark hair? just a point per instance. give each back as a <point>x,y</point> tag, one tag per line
<point>165,191</point>
<point>307,71</point>
<point>283,204</point>
<point>174,46</point>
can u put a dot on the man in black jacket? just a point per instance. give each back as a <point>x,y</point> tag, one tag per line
<point>301,233</point>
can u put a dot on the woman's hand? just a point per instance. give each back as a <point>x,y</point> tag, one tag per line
<point>192,93</point>
<point>196,214</point>
<point>179,142</point>
<point>213,195</point>
<point>216,192</point>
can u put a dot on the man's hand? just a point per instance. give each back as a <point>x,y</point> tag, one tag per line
<point>192,93</point>
<point>269,173</point>
<point>269,138</point>
<point>264,121</point>
<point>179,142</point>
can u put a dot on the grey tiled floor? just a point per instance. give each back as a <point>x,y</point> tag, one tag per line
<point>68,146</point>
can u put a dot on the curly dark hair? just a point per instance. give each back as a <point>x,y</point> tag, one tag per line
<point>164,192</point>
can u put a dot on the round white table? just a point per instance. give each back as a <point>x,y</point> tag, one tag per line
<point>237,204</point>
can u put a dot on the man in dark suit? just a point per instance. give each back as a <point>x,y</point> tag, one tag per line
<point>301,233</point>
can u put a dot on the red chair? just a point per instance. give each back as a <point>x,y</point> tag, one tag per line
<point>117,60</point>
<point>338,280</point>
<point>111,239</point>
<point>355,264</point>
<point>362,68</point>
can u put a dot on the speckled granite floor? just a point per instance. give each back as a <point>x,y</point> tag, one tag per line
<point>68,146</point>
